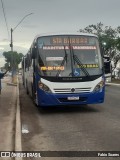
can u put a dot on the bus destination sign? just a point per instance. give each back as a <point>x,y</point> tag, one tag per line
<point>71,40</point>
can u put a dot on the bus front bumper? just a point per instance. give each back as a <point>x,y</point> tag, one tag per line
<point>50,99</point>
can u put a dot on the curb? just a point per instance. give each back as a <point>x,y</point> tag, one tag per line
<point>18,141</point>
<point>113,84</point>
<point>11,84</point>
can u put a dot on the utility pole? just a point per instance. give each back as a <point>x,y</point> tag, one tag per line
<point>12,58</point>
<point>11,45</point>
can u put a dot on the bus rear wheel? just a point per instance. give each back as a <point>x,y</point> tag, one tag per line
<point>34,97</point>
<point>27,91</point>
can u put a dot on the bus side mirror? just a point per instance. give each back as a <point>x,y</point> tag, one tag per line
<point>34,53</point>
<point>102,50</point>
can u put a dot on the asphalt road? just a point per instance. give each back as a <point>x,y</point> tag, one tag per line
<point>83,128</point>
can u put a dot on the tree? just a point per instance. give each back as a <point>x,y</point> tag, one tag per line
<point>107,35</point>
<point>12,59</point>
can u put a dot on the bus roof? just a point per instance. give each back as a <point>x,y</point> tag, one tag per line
<point>65,33</point>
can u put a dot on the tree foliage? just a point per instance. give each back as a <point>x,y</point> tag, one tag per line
<point>108,37</point>
<point>12,59</point>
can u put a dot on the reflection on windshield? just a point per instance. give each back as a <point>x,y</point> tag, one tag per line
<point>69,60</point>
<point>63,62</point>
<point>58,63</point>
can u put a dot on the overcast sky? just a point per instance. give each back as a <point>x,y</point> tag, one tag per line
<point>52,16</point>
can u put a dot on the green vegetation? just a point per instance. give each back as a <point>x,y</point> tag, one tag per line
<point>12,59</point>
<point>108,37</point>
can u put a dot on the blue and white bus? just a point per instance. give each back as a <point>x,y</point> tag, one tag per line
<point>65,69</point>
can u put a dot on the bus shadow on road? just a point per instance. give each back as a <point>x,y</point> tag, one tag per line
<point>68,109</point>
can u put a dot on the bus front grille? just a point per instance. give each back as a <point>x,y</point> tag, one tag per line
<point>72,90</point>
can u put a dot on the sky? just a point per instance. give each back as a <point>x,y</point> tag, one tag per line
<point>51,16</point>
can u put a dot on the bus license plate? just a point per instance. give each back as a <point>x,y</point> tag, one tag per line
<point>73,98</point>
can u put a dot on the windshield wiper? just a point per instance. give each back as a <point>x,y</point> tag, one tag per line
<point>75,58</point>
<point>62,63</point>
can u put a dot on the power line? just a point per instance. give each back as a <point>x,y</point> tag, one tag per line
<point>5,19</point>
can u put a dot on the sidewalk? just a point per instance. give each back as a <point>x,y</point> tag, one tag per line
<point>8,99</point>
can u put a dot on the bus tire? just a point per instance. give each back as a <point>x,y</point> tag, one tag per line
<point>34,97</point>
<point>27,91</point>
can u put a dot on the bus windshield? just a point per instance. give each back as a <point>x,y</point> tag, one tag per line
<point>69,56</point>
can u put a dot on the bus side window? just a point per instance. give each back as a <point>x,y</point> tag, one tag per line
<point>33,64</point>
<point>29,61</point>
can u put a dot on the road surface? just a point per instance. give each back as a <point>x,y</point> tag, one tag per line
<point>83,128</point>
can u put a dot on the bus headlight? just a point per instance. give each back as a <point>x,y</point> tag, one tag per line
<point>99,86</point>
<point>43,87</point>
